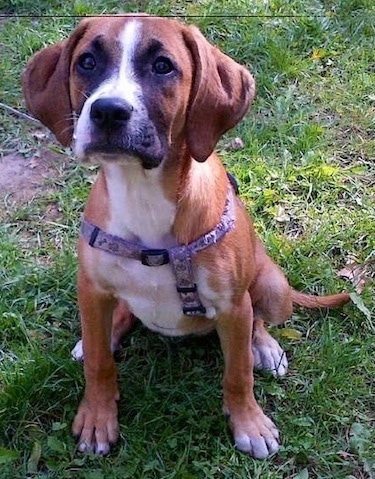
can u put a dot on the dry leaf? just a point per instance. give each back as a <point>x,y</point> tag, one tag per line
<point>356,273</point>
<point>39,134</point>
<point>236,144</point>
<point>281,215</point>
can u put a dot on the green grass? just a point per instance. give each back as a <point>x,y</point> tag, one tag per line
<point>307,176</point>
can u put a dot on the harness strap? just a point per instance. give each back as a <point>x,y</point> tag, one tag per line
<point>179,256</point>
<point>185,284</point>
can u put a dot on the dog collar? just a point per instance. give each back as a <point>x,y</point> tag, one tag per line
<point>178,256</point>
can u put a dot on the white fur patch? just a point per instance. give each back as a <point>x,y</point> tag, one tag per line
<point>139,209</point>
<point>77,351</point>
<point>122,85</point>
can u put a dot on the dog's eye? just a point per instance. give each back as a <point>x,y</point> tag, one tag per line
<point>87,61</point>
<point>162,66</point>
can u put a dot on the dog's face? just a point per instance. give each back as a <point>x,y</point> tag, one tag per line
<point>138,87</point>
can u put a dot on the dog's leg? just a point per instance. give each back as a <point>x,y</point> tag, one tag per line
<point>96,424</point>
<point>253,431</point>
<point>268,354</point>
<point>272,302</point>
<point>123,321</point>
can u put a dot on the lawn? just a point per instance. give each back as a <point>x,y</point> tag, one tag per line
<point>305,165</point>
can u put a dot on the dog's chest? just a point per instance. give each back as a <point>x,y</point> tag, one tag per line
<point>150,293</point>
<point>141,213</point>
<point>152,297</point>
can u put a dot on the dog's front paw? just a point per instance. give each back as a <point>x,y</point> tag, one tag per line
<point>258,436</point>
<point>269,355</point>
<point>96,427</point>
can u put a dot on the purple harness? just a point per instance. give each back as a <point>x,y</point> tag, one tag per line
<point>179,256</point>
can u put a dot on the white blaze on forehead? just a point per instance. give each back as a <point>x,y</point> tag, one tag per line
<point>129,39</point>
<point>123,84</point>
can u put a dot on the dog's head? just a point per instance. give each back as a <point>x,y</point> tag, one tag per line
<point>135,86</point>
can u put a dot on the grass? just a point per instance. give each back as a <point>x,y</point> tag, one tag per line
<point>307,176</point>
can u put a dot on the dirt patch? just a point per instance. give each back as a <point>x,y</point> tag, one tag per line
<point>22,179</point>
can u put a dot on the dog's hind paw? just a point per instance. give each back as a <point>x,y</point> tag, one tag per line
<point>273,360</point>
<point>77,351</point>
<point>268,354</point>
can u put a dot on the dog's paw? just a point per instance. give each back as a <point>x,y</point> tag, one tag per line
<point>96,429</point>
<point>269,355</point>
<point>258,437</point>
<point>77,351</point>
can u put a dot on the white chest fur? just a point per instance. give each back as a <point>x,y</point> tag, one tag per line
<point>141,213</point>
<point>139,209</point>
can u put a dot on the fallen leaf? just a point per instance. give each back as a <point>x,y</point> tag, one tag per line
<point>281,215</point>
<point>236,144</point>
<point>289,333</point>
<point>356,273</point>
<point>317,54</point>
<point>39,134</point>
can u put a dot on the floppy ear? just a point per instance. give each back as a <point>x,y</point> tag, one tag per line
<point>45,85</point>
<point>221,94</point>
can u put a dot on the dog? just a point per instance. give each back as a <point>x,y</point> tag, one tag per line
<point>164,237</point>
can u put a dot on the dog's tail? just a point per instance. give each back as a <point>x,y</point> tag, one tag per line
<point>311,301</point>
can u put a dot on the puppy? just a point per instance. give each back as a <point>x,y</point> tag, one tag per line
<point>164,237</point>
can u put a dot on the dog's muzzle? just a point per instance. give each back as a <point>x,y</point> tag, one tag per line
<point>117,132</point>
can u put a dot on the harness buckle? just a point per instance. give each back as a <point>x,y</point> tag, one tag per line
<point>154,257</point>
<point>187,289</point>
<point>194,310</point>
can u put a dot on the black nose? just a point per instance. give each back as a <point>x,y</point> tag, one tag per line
<point>110,112</point>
